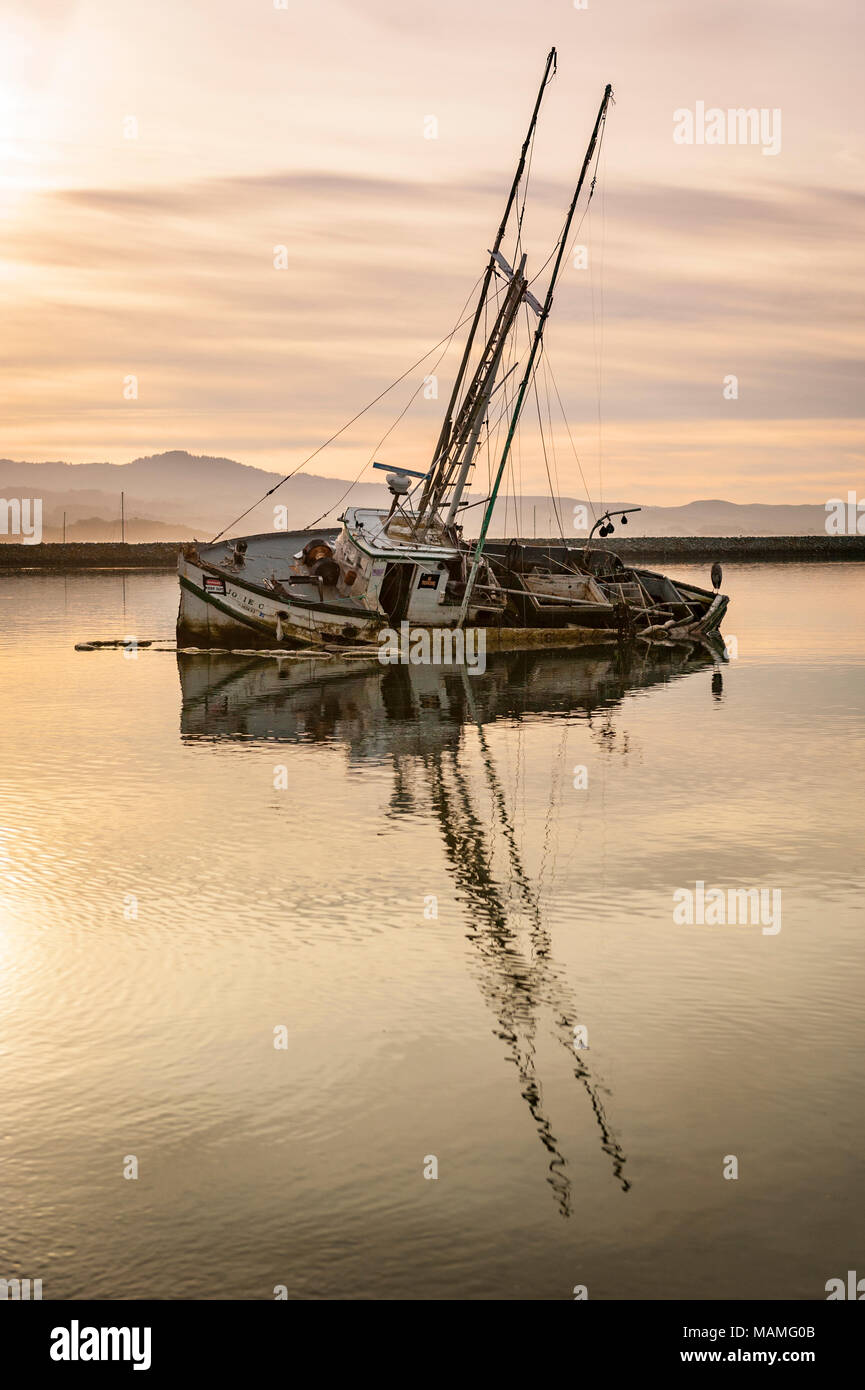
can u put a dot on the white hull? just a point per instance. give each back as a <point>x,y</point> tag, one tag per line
<point>222,611</point>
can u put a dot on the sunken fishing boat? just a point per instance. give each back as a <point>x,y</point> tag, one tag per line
<point>382,568</point>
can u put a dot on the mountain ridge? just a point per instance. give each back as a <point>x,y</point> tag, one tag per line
<point>199,494</point>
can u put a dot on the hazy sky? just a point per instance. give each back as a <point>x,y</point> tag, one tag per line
<point>304,126</point>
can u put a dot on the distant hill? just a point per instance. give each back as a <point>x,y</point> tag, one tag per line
<point>178,495</point>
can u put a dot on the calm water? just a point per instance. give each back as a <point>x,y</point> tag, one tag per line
<point>191,859</point>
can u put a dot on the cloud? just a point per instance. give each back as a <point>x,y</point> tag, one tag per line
<point>155,257</point>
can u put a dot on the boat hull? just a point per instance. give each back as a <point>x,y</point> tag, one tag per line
<point>220,610</point>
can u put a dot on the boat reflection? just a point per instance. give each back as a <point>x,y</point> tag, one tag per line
<point>430,724</point>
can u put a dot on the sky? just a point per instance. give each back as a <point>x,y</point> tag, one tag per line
<point>153,156</point>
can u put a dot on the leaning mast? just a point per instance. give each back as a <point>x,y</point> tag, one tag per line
<point>444,437</point>
<point>536,343</point>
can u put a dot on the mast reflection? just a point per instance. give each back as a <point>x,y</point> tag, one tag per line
<point>430,724</point>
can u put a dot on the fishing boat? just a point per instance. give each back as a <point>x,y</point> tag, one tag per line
<point>410,563</point>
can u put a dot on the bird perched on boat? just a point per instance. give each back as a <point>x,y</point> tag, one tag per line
<point>717,575</point>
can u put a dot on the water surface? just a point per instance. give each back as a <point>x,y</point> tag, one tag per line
<point>397,868</point>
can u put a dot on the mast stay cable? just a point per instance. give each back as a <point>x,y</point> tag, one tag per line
<point>353,484</point>
<point>446,341</point>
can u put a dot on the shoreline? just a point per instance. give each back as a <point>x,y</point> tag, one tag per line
<point>54,557</point>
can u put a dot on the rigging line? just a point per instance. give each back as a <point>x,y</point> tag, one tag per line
<point>510,391</point>
<point>388,431</point>
<point>517,484</point>
<point>495,290</point>
<point>487,436</point>
<point>494,429</point>
<point>509,484</point>
<point>516,480</point>
<point>515,475</point>
<point>518,438</point>
<point>508,386</point>
<point>554,497</point>
<point>486,338</point>
<point>573,445</point>
<point>558,243</point>
<point>401,415</point>
<point>507,493</point>
<point>555,450</point>
<point>553,444</point>
<point>505,385</point>
<point>467,506</point>
<point>598,338</point>
<point>510,396</point>
<point>555,491</point>
<point>546,461</point>
<point>446,340</point>
<point>505,410</point>
<point>603,313</point>
<point>585,210</point>
<point>551,433</point>
<point>528,175</point>
<point>597,382</point>
<point>489,427</point>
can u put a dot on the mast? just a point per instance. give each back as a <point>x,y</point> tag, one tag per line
<point>536,343</point>
<point>444,437</point>
<point>462,445</point>
<point>513,300</point>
